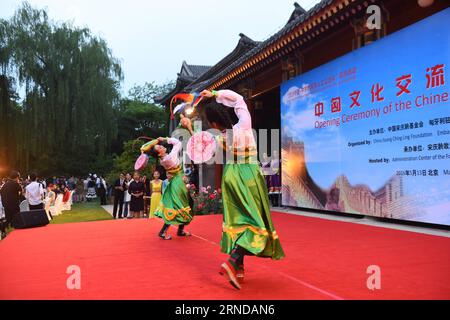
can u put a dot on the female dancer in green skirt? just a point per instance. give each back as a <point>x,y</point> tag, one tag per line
<point>247,222</point>
<point>174,207</point>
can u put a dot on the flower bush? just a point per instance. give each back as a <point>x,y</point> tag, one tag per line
<point>206,200</point>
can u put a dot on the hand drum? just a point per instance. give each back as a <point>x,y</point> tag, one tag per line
<point>201,147</point>
<point>141,162</point>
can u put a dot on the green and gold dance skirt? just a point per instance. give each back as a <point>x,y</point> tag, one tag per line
<point>247,221</point>
<point>174,207</point>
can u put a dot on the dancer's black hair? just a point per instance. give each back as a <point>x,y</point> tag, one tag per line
<point>153,153</point>
<point>220,114</point>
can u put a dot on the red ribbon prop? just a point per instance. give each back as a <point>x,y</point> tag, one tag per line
<point>191,98</point>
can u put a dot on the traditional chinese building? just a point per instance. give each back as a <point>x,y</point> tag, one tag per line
<point>330,29</point>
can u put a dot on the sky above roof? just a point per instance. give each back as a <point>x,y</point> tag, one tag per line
<point>152,38</point>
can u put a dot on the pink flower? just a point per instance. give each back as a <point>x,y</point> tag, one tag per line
<point>219,190</point>
<point>212,196</point>
<point>208,187</point>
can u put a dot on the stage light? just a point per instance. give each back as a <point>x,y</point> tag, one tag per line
<point>189,111</point>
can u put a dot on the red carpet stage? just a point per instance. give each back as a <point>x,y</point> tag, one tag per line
<point>124,259</point>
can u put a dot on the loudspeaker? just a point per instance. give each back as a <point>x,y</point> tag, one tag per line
<point>30,219</point>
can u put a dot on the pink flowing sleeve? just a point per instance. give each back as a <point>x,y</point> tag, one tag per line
<point>176,146</point>
<point>171,160</point>
<point>234,100</point>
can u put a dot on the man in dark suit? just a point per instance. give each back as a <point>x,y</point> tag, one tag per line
<point>120,187</point>
<point>11,193</point>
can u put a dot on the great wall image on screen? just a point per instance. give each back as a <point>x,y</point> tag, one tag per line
<point>300,190</point>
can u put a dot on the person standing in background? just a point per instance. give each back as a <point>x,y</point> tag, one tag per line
<point>11,194</point>
<point>97,185</point>
<point>66,194</point>
<point>275,179</point>
<point>136,190</point>
<point>156,192</point>
<point>75,193</point>
<point>91,189</point>
<point>51,195</point>
<point>3,181</point>
<point>119,188</point>
<point>147,193</point>
<point>127,197</point>
<point>43,183</point>
<point>2,216</point>
<point>166,181</point>
<point>265,167</point>
<point>102,191</point>
<point>85,187</point>
<point>34,193</point>
<point>71,183</point>
<point>81,196</point>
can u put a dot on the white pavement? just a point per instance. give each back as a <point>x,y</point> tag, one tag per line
<point>109,208</point>
<point>367,220</point>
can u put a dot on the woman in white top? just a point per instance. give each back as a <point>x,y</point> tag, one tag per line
<point>126,196</point>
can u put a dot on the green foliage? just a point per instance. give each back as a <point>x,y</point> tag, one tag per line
<point>138,116</point>
<point>71,119</point>
<point>66,121</point>
<point>149,91</point>
<point>124,162</point>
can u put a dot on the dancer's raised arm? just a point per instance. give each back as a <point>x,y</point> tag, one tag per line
<point>171,159</point>
<point>186,123</point>
<point>176,146</point>
<point>234,100</point>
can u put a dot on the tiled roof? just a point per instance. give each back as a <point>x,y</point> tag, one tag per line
<point>244,45</point>
<point>245,50</point>
<point>187,75</point>
<point>298,11</point>
<point>198,70</point>
<point>296,20</point>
